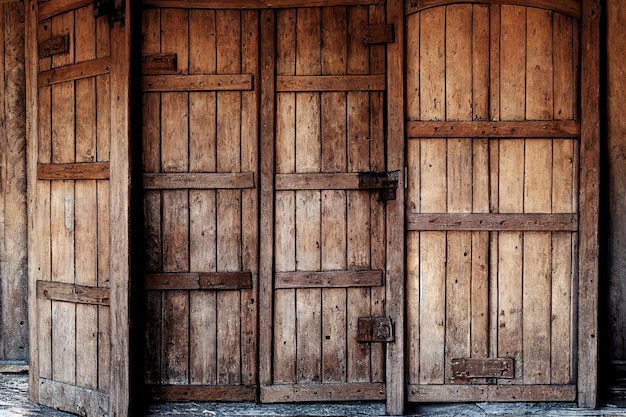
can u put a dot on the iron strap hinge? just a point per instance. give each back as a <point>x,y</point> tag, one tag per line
<point>385,182</point>
<point>114,9</point>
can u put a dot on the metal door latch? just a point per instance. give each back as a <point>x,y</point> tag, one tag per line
<point>374,329</point>
<point>385,182</point>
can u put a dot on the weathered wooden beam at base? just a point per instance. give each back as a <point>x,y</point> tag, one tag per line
<point>521,129</point>
<point>202,392</point>
<point>328,279</point>
<point>323,392</point>
<point>72,398</point>
<point>492,222</point>
<point>501,393</point>
<point>81,171</point>
<point>13,367</point>
<point>568,7</point>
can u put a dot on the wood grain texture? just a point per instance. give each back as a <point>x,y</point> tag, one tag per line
<point>492,222</point>
<point>521,129</point>
<point>568,7</point>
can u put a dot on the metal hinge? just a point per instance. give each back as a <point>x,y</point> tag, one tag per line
<point>114,9</point>
<point>374,329</point>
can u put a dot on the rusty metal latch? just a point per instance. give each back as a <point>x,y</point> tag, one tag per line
<point>114,9</point>
<point>385,182</point>
<point>464,369</point>
<point>374,329</point>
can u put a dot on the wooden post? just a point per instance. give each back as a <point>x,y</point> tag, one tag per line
<point>589,206</point>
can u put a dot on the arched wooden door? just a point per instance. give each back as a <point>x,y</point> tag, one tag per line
<point>493,156</point>
<point>79,205</point>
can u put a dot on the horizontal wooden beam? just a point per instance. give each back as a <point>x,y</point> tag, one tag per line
<point>71,398</point>
<point>199,281</point>
<point>328,279</point>
<point>49,9</point>
<point>558,222</point>
<point>13,367</point>
<point>159,64</point>
<point>323,392</point>
<point>483,393</point>
<point>567,7</point>
<point>56,45</point>
<point>255,4</point>
<point>222,82</point>
<point>525,129</point>
<point>73,72</point>
<point>73,293</point>
<point>337,181</point>
<point>82,171</point>
<point>170,393</point>
<point>315,83</point>
<point>198,181</point>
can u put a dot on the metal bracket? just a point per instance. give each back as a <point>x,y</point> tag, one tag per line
<point>464,369</point>
<point>385,182</point>
<point>114,9</point>
<point>374,329</point>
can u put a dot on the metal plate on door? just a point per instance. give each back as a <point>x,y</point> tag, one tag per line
<point>465,368</point>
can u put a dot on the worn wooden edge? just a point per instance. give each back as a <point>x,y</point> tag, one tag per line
<point>559,222</point>
<point>74,399</point>
<point>256,4</point>
<point>495,393</point>
<point>313,83</point>
<point>266,230</point>
<point>204,181</point>
<point>159,64</point>
<point>525,129</point>
<point>32,65</point>
<point>377,34</point>
<point>119,218</point>
<point>570,8</point>
<point>54,46</point>
<point>328,279</point>
<point>49,9</point>
<point>198,281</point>
<point>220,82</point>
<point>317,181</point>
<point>81,171</point>
<point>395,214</point>
<point>323,392</point>
<point>13,367</point>
<point>74,72</point>
<point>73,293</point>
<point>220,393</point>
<point>589,205</point>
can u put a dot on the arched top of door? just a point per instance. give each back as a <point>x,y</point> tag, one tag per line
<point>570,8</point>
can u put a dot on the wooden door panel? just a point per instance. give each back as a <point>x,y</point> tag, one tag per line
<point>200,201</point>
<point>490,292</point>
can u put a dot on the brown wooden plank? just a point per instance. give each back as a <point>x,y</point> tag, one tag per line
<point>49,9</point>
<point>377,34</point>
<point>199,181</point>
<point>330,83</point>
<point>568,7</point>
<point>517,129</point>
<point>492,221</point>
<point>54,46</point>
<point>72,293</point>
<point>245,393</point>
<point>72,398</point>
<point>199,281</point>
<point>324,392</point>
<point>495,393</point>
<point>218,82</point>
<point>159,64</point>
<point>74,72</point>
<point>78,171</point>
<point>256,4</point>
<point>324,181</point>
<point>328,279</point>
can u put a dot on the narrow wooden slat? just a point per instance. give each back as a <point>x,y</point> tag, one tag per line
<point>202,393</point>
<point>256,4</point>
<point>159,63</point>
<point>323,392</point>
<point>569,7</point>
<point>199,281</point>
<point>492,221</point>
<point>221,82</point>
<point>303,83</point>
<point>72,398</point>
<point>377,34</point>
<point>198,181</point>
<point>54,46</point>
<point>521,129</point>
<point>83,294</point>
<point>74,72</point>
<point>495,393</point>
<point>49,9</point>
<point>335,181</point>
<point>328,279</point>
<point>80,171</point>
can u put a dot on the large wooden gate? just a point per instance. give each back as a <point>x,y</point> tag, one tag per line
<point>78,95</point>
<point>492,207</point>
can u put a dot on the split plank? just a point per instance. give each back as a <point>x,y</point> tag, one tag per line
<point>330,83</point>
<point>86,69</point>
<point>328,279</point>
<point>199,181</point>
<point>78,171</point>
<point>199,281</point>
<point>568,7</point>
<point>514,129</point>
<point>218,82</point>
<point>492,221</point>
<point>61,291</point>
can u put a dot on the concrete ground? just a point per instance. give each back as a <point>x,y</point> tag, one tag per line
<point>14,403</point>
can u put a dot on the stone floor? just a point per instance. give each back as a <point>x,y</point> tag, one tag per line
<point>14,403</point>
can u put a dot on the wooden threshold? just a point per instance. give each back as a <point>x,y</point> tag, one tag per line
<point>328,279</point>
<point>198,181</point>
<point>73,293</point>
<point>74,72</point>
<point>323,392</point>
<point>72,398</point>
<point>202,392</point>
<point>481,393</point>
<point>81,171</point>
<point>198,281</point>
<point>505,130</point>
<point>185,83</point>
<point>558,222</point>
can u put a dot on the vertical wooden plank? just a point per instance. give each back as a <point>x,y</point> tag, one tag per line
<point>413,65</point>
<point>308,159</point>
<point>202,203</point>
<point>333,216</point>
<point>228,33</point>
<point>589,203</point>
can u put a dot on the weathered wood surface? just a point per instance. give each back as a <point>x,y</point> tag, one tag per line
<point>571,8</point>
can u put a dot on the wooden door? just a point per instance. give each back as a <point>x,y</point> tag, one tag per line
<point>493,126</point>
<point>78,106</point>
<point>325,178</point>
<point>200,158</point>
